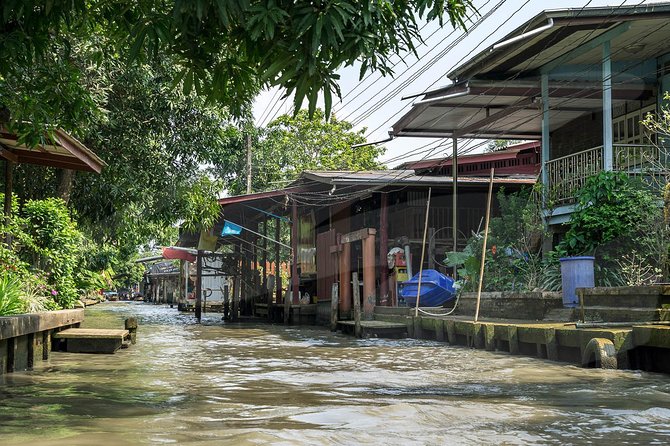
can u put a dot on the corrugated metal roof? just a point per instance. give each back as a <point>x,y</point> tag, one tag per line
<point>570,26</point>
<point>405,177</point>
<point>496,95</point>
<point>258,195</point>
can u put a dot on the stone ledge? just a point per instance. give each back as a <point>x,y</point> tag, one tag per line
<point>22,324</point>
<point>534,295</point>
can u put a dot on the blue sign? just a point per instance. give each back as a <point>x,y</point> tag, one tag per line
<point>230,228</point>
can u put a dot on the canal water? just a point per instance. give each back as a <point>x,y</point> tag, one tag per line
<point>243,384</point>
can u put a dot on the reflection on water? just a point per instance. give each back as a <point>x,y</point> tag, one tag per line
<point>255,384</point>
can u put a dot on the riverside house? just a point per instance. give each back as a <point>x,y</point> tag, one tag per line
<point>578,80</point>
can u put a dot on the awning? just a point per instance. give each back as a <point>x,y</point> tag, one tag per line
<point>506,110</point>
<point>63,152</point>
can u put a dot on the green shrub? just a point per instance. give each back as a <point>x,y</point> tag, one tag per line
<point>11,301</point>
<point>610,207</point>
<point>52,246</point>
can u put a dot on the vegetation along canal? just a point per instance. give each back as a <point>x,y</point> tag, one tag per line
<point>256,384</point>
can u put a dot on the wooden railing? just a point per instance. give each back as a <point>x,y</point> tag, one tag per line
<point>569,173</point>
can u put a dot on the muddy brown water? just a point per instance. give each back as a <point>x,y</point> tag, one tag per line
<point>243,384</point>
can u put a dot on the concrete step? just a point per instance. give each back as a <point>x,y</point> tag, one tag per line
<point>619,297</point>
<point>562,315</point>
<point>624,314</point>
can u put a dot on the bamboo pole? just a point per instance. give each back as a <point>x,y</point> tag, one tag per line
<point>486,236</point>
<point>423,252</point>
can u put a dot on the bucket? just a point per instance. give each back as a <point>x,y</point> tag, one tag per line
<point>576,272</point>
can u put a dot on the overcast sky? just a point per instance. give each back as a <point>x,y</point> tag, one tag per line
<point>414,76</point>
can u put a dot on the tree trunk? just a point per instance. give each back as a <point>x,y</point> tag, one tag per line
<point>65,185</point>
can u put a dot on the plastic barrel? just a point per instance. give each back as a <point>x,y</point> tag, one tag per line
<point>576,272</point>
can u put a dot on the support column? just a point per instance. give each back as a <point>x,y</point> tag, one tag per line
<point>454,199</point>
<point>278,296</point>
<point>295,280</point>
<point>345,281</point>
<point>544,84</point>
<point>264,257</point>
<point>198,286</point>
<point>369,289</point>
<point>9,180</point>
<point>383,250</point>
<point>607,108</point>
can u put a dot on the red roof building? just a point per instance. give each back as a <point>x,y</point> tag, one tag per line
<point>519,159</point>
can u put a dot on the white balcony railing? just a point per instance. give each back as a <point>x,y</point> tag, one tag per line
<point>568,174</point>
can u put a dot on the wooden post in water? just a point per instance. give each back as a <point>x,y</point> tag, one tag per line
<point>287,307</point>
<point>198,286</point>
<point>357,304</point>
<point>486,236</point>
<point>131,326</point>
<point>237,291</point>
<point>334,304</point>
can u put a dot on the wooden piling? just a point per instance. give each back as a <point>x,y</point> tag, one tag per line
<point>357,304</point>
<point>333,307</point>
<point>237,290</point>
<point>198,286</point>
<point>131,326</point>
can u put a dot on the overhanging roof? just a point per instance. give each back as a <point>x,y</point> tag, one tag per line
<point>570,27</point>
<point>405,178</point>
<point>257,196</point>
<point>63,152</point>
<point>497,93</point>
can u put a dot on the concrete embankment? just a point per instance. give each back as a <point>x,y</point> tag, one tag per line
<point>26,339</point>
<point>645,347</point>
<point>625,328</point>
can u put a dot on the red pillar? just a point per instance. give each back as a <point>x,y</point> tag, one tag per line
<point>369,291</point>
<point>295,280</point>
<point>383,249</point>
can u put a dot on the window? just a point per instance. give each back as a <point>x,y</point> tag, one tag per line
<point>627,129</point>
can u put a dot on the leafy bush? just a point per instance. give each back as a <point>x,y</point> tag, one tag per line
<point>47,245</point>
<point>611,206</point>
<point>11,301</point>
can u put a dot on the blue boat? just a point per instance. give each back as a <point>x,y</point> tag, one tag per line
<point>436,289</point>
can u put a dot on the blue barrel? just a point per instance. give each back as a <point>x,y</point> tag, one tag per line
<point>576,272</point>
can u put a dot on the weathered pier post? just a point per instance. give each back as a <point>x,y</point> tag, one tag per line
<point>357,304</point>
<point>131,326</point>
<point>334,303</point>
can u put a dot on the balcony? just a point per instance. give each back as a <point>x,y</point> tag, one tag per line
<point>568,174</point>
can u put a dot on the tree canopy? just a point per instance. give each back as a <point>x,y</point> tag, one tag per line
<point>225,50</point>
<point>291,144</point>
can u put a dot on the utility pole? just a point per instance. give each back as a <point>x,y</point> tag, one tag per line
<point>247,143</point>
